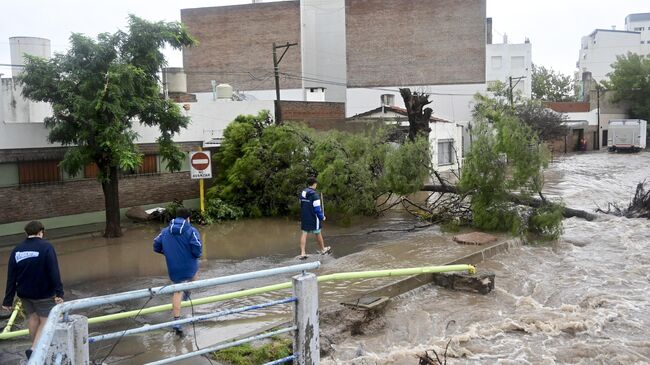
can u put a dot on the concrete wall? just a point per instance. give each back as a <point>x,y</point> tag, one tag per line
<point>415,42</point>
<point>504,60</point>
<point>235,45</point>
<point>16,109</point>
<point>323,47</point>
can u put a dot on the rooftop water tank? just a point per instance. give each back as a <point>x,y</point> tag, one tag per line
<point>34,46</point>
<point>176,80</point>
<point>224,91</point>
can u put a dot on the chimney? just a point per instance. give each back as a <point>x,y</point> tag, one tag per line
<point>488,30</point>
<point>505,38</point>
<point>586,85</point>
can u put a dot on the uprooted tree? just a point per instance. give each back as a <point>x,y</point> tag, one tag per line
<point>97,90</point>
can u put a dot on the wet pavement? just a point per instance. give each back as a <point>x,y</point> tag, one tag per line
<point>579,300</point>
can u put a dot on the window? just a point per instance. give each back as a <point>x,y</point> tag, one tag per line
<point>638,29</point>
<point>34,172</point>
<point>643,42</point>
<point>445,152</point>
<point>517,62</point>
<point>149,165</point>
<point>496,62</point>
<point>8,174</point>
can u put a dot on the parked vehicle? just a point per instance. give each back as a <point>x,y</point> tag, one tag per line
<point>626,135</point>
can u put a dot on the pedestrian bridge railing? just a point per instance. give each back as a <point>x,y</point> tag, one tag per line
<point>64,338</point>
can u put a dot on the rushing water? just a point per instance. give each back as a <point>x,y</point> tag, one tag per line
<point>582,300</point>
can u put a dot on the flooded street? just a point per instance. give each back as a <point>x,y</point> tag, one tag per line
<point>582,300</point>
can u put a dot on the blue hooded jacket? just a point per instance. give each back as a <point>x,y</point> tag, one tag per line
<point>311,213</point>
<point>181,245</point>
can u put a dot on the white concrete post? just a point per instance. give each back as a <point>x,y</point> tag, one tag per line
<point>306,342</point>
<point>70,339</point>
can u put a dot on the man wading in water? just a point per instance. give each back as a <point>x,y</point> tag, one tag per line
<point>311,218</point>
<point>181,245</point>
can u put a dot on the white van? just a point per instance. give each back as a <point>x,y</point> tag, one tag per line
<point>626,135</point>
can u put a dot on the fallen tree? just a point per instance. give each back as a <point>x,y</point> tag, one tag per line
<point>519,200</point>
<point>639,207</point>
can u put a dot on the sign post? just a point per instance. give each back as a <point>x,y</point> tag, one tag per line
<point>201,168</point>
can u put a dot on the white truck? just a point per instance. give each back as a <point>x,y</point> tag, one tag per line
<point>626,135</point>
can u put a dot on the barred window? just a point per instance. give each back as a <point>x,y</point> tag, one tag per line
<point>445,152</point>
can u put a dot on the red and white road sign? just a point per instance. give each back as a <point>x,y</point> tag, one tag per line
<point>200,165</point>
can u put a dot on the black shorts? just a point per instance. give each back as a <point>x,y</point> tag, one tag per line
<point>42,307</point>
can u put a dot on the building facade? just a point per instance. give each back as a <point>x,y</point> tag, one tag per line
<point>510,64</point>
<point>354,50</point>
<point>599,49</point>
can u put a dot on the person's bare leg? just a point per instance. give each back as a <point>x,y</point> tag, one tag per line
<point>176,304</point>
<point>33,324</point>
<point>321,242</point>
<point>39,329</point>
<point>303,243</point>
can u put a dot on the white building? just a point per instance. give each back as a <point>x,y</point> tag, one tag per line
<point>599,49</point>
<point>507,60</point>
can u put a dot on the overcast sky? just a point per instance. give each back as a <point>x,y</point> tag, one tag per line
<point>553,26</point>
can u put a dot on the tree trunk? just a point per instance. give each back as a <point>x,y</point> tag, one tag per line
<point>419,117</point>
<point>531,202</point>
<point>112,203</point>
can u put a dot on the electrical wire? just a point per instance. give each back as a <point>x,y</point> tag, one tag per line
<point>196,343</point>
<point>151,296</point>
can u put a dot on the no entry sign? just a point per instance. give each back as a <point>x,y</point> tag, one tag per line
<point>200,165</point>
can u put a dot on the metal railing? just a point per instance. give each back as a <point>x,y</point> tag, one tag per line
<point>71,339</point>
<point>72,330</point>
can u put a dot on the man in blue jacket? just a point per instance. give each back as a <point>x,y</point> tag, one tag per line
<point>311,217</point>
<point>33,274</point>
<point>181,245</point>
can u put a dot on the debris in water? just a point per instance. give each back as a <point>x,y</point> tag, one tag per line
<point>474,238</point>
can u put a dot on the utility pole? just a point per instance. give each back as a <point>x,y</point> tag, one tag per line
<point>276,71</point>
<point>598,107</point>
<point>511,88</point>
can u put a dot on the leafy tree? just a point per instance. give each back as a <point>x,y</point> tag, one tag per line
<point>630,81</point>
<point>262,167</point>
<point>97,90</point>
<point>547,123</point>
<point>506,157</point>
<point>550,85</point>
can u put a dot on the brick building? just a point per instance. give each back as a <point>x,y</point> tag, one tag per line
<point>356,50</point>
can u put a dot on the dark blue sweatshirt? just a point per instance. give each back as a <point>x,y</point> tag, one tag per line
<point>311,213</point>
<point>33,272</point>
<point>181,245</point>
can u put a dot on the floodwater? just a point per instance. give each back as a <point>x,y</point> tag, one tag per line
<point>582,300</point>
<point>577,301</point>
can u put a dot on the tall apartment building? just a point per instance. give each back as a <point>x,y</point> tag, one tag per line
<point>599,49</point>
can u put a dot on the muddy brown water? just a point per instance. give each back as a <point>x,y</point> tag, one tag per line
<point>581,300</point>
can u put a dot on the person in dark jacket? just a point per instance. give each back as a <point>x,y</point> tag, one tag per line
<point>33,274</point>
<point>311,217</point>
<point>181,245</point>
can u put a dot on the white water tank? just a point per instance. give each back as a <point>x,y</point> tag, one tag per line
<point>224,91</point>
<point>34,46</point>
<point>176,80</point>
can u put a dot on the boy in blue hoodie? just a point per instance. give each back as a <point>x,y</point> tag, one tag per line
<point>181,245</point>
<point>311,217</point>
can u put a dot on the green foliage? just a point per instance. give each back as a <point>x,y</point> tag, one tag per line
<point>218,210</point>
<point>505,157</point>
<point>547,123</point>
<point>545,220</point>
<point>98,89</point>
<point>550,85</point>
<point>407,166</point>
<point>630,81</point>
<point>263,167</point>
<point>247,354</point>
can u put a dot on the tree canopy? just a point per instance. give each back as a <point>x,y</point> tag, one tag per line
<point>630,81</point>
<point>551,85</point>
<point>98,89</point>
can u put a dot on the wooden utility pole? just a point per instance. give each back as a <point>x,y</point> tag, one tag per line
<point>276,71</point>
